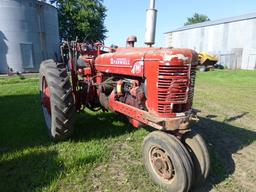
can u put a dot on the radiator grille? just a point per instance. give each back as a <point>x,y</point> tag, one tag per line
<point>174,86</point>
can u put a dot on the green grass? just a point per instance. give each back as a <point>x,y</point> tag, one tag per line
<point>104,152</point>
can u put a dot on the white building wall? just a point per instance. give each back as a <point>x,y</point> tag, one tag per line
<point>233,42</point>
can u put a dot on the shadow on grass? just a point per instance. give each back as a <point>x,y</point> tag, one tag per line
<point>223,141</point>
<point>100,126</point>
<point>23,174</point>
<point>230,119</point>
<point>26,161</point>
<point>22,126</point>
<point>21,123</point>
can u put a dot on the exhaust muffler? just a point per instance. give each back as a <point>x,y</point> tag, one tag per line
<point>151,24</point>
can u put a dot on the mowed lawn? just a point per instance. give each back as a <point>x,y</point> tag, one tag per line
<point>104,154</point>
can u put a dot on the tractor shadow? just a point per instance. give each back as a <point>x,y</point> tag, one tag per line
<point>25,165</point>
<point>21,123</point>
<point>223,141</point>
<point>100,125</point>
<point>30,172</point>
<point>27,161</point>
<point>22,127</point>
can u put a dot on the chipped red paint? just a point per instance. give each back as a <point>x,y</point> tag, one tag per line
<point>167,75</point>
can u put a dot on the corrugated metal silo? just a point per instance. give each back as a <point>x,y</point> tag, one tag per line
<point>29,33</point>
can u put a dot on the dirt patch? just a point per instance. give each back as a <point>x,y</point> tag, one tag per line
<point>233,155</point>
<point>112,175</point>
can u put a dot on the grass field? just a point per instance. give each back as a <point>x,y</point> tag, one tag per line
<point>104,152</point>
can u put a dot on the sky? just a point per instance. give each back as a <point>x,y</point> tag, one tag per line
<point>128,17</point>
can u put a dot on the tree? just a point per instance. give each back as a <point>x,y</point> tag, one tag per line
<point>82,19</point>
<point>197,18</point>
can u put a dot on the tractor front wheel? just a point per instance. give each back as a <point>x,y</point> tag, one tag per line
<point>167,161</point>
<point>197,148</point>
<point>56,99</point>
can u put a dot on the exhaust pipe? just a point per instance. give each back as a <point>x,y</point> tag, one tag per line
<point>151,24</point>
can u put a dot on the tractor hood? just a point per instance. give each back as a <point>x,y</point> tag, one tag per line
<point>133,61</point>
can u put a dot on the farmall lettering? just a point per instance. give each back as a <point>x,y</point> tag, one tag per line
<point>119,61</point>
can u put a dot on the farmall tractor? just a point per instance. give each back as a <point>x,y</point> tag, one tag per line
<point>150,86</point>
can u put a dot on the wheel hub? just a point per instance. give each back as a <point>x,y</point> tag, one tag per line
<point>161,163</point>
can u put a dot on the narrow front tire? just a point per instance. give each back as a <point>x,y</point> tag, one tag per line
<point>167,162</point>
<point>198,151</point>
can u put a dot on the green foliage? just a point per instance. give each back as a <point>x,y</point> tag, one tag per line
<point>197,18</point>
<point>82,19</point>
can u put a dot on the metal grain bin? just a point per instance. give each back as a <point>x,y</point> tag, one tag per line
<point>29,33</point>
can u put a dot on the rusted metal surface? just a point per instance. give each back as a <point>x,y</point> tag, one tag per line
<point>161,163</point>
<point>152,86</point>
<point>137,115</point>
<point>149,86</point>
<point>131,40</point>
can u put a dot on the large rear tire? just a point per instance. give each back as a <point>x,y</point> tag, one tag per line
<point>197,148</point>
<point>167,162</point>
<point>56,99</point>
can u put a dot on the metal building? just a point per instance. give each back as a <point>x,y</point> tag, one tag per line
<point>232,40</point>
<point>29,33</point>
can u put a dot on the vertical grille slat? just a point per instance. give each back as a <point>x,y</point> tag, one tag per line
<point>173,83</point>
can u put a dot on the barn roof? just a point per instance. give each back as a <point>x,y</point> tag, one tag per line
<point>216,22</point>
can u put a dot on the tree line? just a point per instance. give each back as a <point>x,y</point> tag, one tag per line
<point>84,19</point>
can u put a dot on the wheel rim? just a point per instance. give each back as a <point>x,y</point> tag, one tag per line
<point>161,163</point>
<point>46,102</point>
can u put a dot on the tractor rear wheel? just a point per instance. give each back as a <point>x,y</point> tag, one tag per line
<point>167,161</point>
<point>56,99</point>
<point>199,153</point>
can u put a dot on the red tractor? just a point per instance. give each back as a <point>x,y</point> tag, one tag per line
<point>150,86</point>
